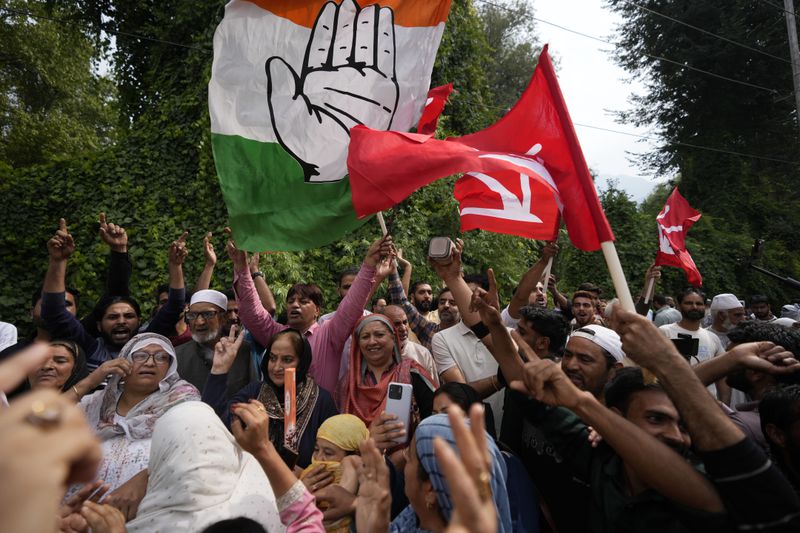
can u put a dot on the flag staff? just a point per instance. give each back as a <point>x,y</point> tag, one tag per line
<point>617,275</point>
<point>382,222</point>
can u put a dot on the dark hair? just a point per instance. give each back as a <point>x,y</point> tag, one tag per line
<point>412,289</point>
<point>481,280</point>
<point>300,346</point>
<point>759,299</point>
<point>229,294</point>
<point>660,299</point>
<point>306,290</point>
<point>462,394</point>
<point>441,292</point>
<point>379,297</point>
<point>350,271</point>
<point>235,525</point>
<point>582,294</point>
<point>780,407</point>
<point>162,287</point>
<point>548,324</point>
<point>107,301</point>
<point>625,383</point>
<point>691,290</point>
<point>37,295</point>
<point>79,369</point>
<point>590,287</point>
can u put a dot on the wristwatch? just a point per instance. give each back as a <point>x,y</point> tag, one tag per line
<point>258,274</point>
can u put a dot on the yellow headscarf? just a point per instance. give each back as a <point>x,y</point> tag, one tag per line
<point>344,431</point>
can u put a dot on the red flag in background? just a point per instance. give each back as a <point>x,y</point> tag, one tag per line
<point>535,139</point>
<point>434,105</point>
<point>673,224</point>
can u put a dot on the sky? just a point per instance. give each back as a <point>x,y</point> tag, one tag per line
<point>594,86</point>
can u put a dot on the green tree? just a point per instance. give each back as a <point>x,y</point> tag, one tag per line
<point>53,104</point>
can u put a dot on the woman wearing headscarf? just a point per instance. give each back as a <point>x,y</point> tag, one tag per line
<point>200,476</point>
<point>286,349</point>
<point>375,361</point>
<point>431,505</point>
<point>65,367</point>
<point>124,414</point>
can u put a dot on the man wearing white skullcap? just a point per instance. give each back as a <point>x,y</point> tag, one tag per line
<point>591,356</point>
<point>726,312</point>
<point>207,320</point>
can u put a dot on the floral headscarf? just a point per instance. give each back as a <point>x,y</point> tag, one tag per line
<point>101,407</point>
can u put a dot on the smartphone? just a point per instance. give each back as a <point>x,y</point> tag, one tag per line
<point>687,346</point>
<point>398,403</point>
<point>441,249</point>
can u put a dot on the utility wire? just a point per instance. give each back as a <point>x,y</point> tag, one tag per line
<point>701,30</point>
<point>658,58</point>
<point>779,8</point>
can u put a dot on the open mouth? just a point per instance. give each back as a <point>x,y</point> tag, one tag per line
<point>120,334</point>
<point>576,380</point>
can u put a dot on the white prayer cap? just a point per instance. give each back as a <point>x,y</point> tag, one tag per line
<point>725,302</point>
<point>211,297</point>
<point>604,337</point>
<point>785,321</point>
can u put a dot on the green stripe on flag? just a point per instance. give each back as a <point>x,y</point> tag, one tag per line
<point>270,206</point>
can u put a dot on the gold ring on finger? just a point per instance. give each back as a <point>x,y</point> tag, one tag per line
<point>44,416</point>
<point>484,485</point>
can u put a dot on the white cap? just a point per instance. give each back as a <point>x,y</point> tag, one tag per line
<point>725,302</point>
<point>604,337</point>
<point>211,297</point>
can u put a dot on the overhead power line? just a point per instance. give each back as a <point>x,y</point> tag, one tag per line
<point>706,32</point>
<point>779,8</point>
<point>651,56</point>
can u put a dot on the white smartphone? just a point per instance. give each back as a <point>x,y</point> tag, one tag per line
<point>398,403</point>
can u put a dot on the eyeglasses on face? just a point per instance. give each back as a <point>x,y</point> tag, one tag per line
<point>206,315</point>
<point>160,358</point>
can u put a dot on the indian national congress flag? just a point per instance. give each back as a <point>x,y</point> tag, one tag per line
<point>289,80</point>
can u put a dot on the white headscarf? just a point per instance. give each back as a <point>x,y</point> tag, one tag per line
<point>199,475</point>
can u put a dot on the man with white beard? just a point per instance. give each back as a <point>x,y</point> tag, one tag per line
<point>207,319</point>
<point>726,313</point>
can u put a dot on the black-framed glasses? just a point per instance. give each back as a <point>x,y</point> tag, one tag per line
<point>206,315</point>
<point>159,358</point>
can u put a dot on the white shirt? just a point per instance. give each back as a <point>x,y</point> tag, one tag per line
<point>8,335</point>
<point>458,346</point>
<point>709,345</point>
<point>420,354</point>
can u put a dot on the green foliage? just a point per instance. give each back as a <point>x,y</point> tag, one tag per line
<point>52,104</point>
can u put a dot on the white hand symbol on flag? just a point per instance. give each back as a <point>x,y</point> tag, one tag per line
<point>348,78</point>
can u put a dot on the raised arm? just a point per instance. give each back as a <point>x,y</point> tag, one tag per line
<point>653,273</point>
<point>204,280</point>
<point>252,314</point>
<point>502,346</point>
<point>407,269</point>
<point>119,265</point>
<point>559,300</point>
<point>263,290</point>
<point>757,356</point>
<point>659,467</point>
<point>530,279</point>
<point>422,328</point>
<point>165,319</point>
<point>450,273</point>
<point>58,321</point>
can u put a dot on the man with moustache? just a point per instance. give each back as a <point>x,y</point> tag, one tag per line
<point>726,313</point>
<point>118,317</point>
<point>410,350</point>
<point>692,305</point>
<point>583,309</point>
<point>422,299</point>
<point>207,319</point>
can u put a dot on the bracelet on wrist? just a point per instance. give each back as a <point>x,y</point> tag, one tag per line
<point>480,330</point>
<point>257,274</point>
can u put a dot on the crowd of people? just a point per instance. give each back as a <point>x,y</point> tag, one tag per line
<point>555,411</point>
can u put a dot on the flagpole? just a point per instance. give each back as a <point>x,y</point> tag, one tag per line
<point>649,292</point>
<point>382,222</point>
<point>546,274</point>
<point>617,276</point>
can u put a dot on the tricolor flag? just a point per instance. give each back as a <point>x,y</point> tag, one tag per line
<point>673,224</point>
<point>289,80</point>
<point>521,171</point>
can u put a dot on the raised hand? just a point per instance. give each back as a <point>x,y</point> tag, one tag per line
<point>208,250</point>
<point>374,497</point>
<point>545,381</point>
<point>402,260</point>
<point>549,250</point>
<point>178,251</point>
<point>61,245</point>
<point>250,428</point>
<point>253,262</point>
<point>225,351</point>
<point>469,476</point>
<point>113,235</point>
<point>238,257</point>
<point>764,357</point>
<point>348,78</point>
<point>385,430</point>
<point>379,249</point>
<point>481,303</point>
<point>451,270</point>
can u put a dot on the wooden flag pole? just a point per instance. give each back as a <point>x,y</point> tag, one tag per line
<point>546,274</point>
<point>382,222</point>
<point>649,292</point>
<point>617,276</point>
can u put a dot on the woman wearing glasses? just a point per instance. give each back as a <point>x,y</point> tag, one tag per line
<point>124,413</point>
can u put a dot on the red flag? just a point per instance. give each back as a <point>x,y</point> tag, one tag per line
<point>434,105</point>
<point>535,138</point>
<point>673,224</point>
<point>502,203</point>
